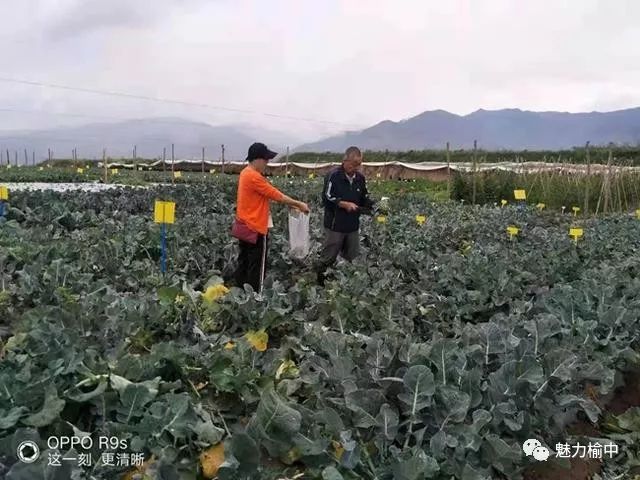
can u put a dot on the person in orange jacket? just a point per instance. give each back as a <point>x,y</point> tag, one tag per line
<point>254,216</point>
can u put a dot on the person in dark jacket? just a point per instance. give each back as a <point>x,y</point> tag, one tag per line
<point>344,197</point>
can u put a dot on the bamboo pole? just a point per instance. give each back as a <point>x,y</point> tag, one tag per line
<point>448,172</point>
<point>588,182</point>
<point>607,198</point>
<point>475,171</point>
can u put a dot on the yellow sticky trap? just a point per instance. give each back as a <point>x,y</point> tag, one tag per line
<point>503,202</point>
<point>381,219</point>
<point>575,211</point>
<point>541,206</point>
<point>520,194</point>
<point>421,219</point>
<point>88,167</point>
<point>212,171</point>
<point>311,175</point>
<point>177,174</point>
<point>512,231</point>
<point>4,193</point>
<point>378,175</point>
<point>638,214</point>
<point>8,165</point>
<point>576,233</point>
<point>80,170</point>
<point>114,171</point>
<point>164,212</point>
<point>40,169</point>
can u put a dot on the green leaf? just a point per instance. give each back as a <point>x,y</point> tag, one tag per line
<point>388,419</point>
<point>133,399</point>
<point>469,473</point>
<point>331,419</point>
<point>587,405</point>
<point>51,409</point>
<point>630,420</point>
<point>480,418</point>
<point>246,452</point>
<point>455,403</point>
<point>331,473</point>
<point>417,467</point>
<point>275,418</point>
<point>167,295</point>
<point>208,433</point>
<point>82,397</point>
<point>365,404</point>
<point>24,471</point>
<point>420,385</point>
<point>8,420</point>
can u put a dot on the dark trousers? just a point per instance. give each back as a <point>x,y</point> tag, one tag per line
<point>252,263</point>
<point>336,243</point>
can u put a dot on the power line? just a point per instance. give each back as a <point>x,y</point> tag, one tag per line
<point>168,101</point>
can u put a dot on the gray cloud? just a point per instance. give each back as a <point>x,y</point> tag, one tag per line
<point>78,17</point>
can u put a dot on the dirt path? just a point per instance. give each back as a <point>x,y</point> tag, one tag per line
<point>624,398</point>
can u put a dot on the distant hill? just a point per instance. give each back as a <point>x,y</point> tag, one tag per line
<point>149,136</point>
<point>511,129</point>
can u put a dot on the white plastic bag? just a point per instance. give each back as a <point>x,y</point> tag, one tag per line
<point>299,243</point>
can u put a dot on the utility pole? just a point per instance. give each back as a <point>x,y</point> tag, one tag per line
<point>223,158</point>
<point>203,160</point>
<point>104,163</point>
<point>33,158</point>
<point>26,158</point>
<point>286,173</point>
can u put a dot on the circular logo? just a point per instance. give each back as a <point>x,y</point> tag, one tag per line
<point>28,451</point>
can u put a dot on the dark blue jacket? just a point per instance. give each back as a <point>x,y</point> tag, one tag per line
<point>337,188</point>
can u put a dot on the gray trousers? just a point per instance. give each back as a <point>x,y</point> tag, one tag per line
<point>336,243</point>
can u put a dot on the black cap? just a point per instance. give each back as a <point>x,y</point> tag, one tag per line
<point>260,150</point>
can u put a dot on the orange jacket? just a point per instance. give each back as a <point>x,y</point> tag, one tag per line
<point>254,193</point>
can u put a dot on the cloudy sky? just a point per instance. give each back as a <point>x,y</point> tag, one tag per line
<point>349,63</point>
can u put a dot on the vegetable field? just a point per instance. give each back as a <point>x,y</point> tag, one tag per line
<point>435,355</point>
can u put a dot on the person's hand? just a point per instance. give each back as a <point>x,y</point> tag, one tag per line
<point>303,207</point>
<point>348,206</point>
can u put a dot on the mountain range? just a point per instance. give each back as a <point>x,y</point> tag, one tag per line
<point>149,136</point>
<point>511,129</point>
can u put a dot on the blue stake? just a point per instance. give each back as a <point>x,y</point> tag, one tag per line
<point>164,248</point>
<point>1,208</point>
